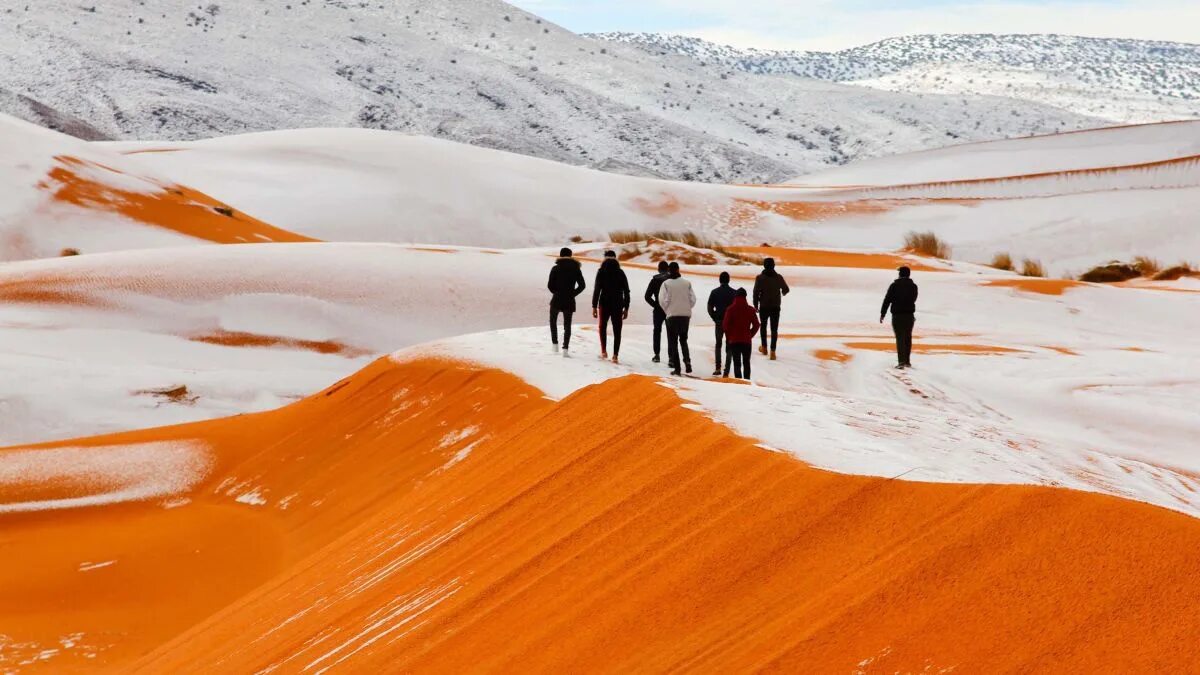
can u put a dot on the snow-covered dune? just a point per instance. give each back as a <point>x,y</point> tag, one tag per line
<point>57,192</point>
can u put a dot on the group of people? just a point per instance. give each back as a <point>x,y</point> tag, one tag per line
<point>672,300</point>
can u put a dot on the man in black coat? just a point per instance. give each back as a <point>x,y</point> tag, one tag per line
<point>610,302</point>
<point>566,282</point>
<point>769,289</point>
<point>902,299</point>
<point>718,301</point>
<point>660,317</point>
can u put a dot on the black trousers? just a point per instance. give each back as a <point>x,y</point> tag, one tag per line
<point>769,317</point>
<point>718,337</point>
<point>618,322</point>
<point>741,359</point>
<point>902,326</point>
<point>659,319</point>
<point>554,312</point>
<point>677,341</point>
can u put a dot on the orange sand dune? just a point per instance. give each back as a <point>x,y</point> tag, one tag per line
<point>811,257</point>
<point>926,348</point>
<point>1036,285</point>
<point>433,517</point>
<point>239,339</point>
<point>174,207</point>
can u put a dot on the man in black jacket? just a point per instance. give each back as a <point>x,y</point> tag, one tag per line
<point>566,282</point>
<point>769,289</point>
<point>902,299</point>
<point>718,301</point>
<point>610,302</point>
<point>660,317</point>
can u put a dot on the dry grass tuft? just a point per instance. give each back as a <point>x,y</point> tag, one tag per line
<point>1111,273</point>
<point>67,252</point>
<point>1176,272</point>
<point>1003,261</point>
<point>1032,268</point>
<point>1146,266</point>
<point>927,244</point>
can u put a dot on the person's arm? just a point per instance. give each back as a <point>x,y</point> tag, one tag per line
<point>783,281</point>
<point>756,296</point>
<point>916,291</point>
<point>712,304</point>
<point>755,324</point>
<point>727,322</point>
<point>596,291</point>
<point>625,295</point>
<point>550,281</point>
<point>580,284</point>
<point>887,302</point>
<point>691,296</point>
<point>664,296</point>
<point>651,294</point>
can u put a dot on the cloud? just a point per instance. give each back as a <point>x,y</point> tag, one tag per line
<point>838,24</point>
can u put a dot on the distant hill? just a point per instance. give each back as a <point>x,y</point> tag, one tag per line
<point>1125,81</point>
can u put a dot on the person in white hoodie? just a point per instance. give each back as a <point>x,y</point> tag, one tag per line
<point>677,300</point>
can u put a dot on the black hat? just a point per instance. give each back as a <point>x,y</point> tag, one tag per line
<point>904,272</point>
<point>565,252</point>
<point>610,253</point>
<point>742,292</point>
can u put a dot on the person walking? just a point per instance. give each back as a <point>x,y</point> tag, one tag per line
<point>610,302</point>
<point>677,300</point>
<point>718,302</point>
<point>566,282</point>
<point>660,317</point>
<point>902,299</point>
<point>769,289</point>
<point>740,324</point>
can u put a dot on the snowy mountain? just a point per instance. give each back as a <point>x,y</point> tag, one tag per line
<point>1126,81</point>
<point>475,71</point>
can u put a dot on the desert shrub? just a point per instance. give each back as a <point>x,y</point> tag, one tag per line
<point>576,239</point>
<point>1111,273</point>
<point>927,244</point>
<point>686,237</point>
<point>1003,261</point>
<point>1175,272</point>
<point>223,210</point>
<point>1032,268</point>
<point>1146,266</point>
<point>66,252</point>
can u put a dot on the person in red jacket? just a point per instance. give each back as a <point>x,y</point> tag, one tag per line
<point>740,324</point>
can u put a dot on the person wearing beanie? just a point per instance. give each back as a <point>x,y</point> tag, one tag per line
<point>740,325</point>
<point>566,282</point>
<point>769,289</point>
<point>610,302</point>
<point>660,317</point>
<point>718,301</point>
<point>677,300</point>
<point>901,298</point>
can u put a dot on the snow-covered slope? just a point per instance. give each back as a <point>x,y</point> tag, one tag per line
<point>1070,200</point>
<point>58,192</point>
<point>477,71</point>
<point>1126,81</point>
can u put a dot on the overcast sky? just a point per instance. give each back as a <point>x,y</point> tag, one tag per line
<point>838,24</point>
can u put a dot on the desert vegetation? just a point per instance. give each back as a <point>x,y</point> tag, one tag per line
<point>927,244</point>
<point>685,237</point>
<point>1003,261</point>
<point>1032,268</point>
<point>1142,267</point>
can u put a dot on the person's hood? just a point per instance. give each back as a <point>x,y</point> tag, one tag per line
<point>567,262</point>
<point>739,301</point>
<point>769,272</point>
<point>610,264</point>
<point>904,281</point>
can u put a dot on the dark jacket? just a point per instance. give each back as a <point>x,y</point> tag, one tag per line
<point>769,289</point>
<point>611,290</point>
<point>741,322</point>
<point>719,300</point>
<point>566,282</point>
<point>656,283</point>
<point>901,297</point>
